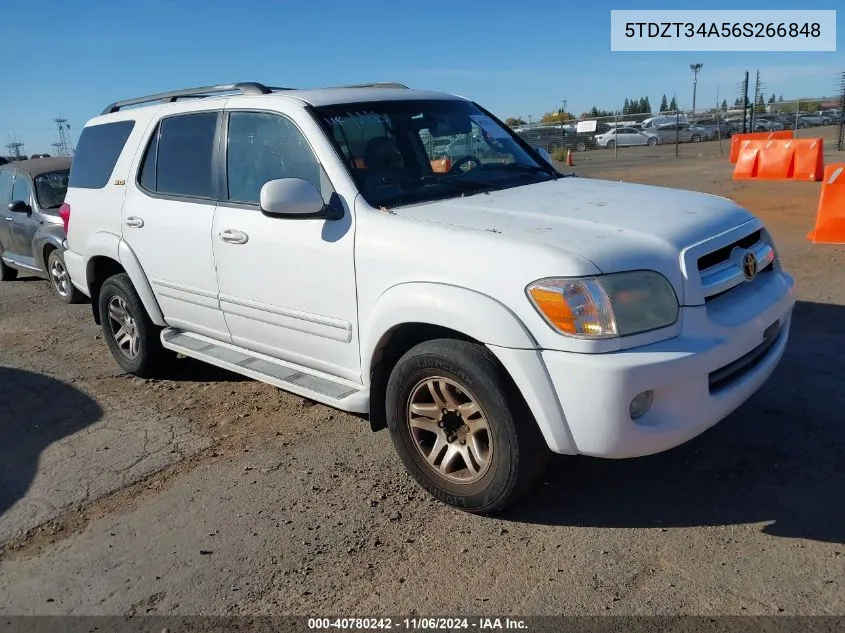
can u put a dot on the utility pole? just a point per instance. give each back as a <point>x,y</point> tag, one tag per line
<point>15,150</point>
<point>840,140</point>
<point>695,68</point>
<point>745,104</point>
<point>757,97</point>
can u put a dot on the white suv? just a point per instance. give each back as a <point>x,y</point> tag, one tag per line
<point>486,309</point>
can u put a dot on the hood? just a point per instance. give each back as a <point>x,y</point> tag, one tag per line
<point>604,221</point>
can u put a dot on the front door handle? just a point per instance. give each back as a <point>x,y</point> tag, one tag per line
<point>8,219</point>
<point>234,237</point>
<point>134,222</point>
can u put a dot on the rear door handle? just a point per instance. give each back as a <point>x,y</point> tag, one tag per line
<point>234,237</point>
<point>134,222</point>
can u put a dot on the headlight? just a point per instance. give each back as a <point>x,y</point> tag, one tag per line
<point>606,306</point>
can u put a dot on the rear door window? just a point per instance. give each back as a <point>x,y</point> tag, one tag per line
<point>97,152</point>
<point>179,160</point>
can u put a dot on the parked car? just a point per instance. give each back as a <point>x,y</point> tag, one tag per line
<point>680,132</point>
<point>810,120</point>
<point>714,128</point>
<point>32,234</point>
<point>552,138</point>
<point>486,317</point>
<point>627,137</point>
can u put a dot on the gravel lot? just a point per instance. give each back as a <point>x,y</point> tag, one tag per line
<point>206,493</point>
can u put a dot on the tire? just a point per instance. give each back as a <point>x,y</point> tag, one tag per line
<point>60,279</point>
<point>581,146</point>
<point>149,355</point>
<point>695,138</point>
<point>7,273</point>
<point>611,144</point>
<point>507,452</point>
<point>651,142</point>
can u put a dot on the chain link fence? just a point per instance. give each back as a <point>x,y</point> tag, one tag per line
<point>705,131</point>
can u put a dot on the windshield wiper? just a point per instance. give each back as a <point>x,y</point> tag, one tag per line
<point>533,169</point>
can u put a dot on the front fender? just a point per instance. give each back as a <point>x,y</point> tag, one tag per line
<point>467,311</point>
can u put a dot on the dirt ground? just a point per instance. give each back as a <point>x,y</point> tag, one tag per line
<point>206,493</point>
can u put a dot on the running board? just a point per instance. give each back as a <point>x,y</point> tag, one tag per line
<point>335,392</point>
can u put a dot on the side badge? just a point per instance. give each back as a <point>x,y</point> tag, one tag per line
<point>120,182</point>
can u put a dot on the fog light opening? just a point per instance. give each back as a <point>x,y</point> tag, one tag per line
<point>640,404</point>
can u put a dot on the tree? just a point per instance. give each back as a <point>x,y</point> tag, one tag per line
<point>598,113</point>
<point>772,98</point>
<point>673,105</point>
<point>664,105</point>
<point>724,105</point>
<point>760,104</point>
<point>645,106</point>
<point>780,99</point>
<point>626,109</point>
<point>514,121</point>
<point>555,117</point>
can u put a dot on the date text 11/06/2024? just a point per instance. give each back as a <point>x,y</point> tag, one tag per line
<point>725,29</point>
<point>431,624</point>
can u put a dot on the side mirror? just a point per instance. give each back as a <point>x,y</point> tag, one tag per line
<point>542,151</point>
<point>19,206</point>
<point>291,197</point>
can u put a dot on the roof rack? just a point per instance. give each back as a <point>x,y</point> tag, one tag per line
<point>245,88</point>
<point>378,84</point>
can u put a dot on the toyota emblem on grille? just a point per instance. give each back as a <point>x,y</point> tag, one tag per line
<point>749,265</point>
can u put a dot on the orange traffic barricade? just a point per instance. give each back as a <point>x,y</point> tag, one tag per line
<point>830,220</point>
<point>441,165</point>
<point>780,159</point>
<point>737,139</point>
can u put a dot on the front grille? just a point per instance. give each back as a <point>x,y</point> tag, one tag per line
<point>722,270</point>
<point>721,255</point>
<point>730,374</point>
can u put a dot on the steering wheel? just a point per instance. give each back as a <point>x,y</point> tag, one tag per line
<point>456,166</point>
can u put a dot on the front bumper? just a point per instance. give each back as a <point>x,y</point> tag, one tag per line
<point>695,377</point>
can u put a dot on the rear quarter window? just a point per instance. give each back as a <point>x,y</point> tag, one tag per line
<point>97,152</point>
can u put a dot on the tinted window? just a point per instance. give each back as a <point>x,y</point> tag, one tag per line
<point>5,187</point>
<point>50,188</point>
<point>97,152</point>
<point>264,147</point>
<point>184,165</point>
<point>22,190</point>
<point>147,178</point>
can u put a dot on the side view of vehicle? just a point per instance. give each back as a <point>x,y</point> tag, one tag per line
<point>627,137</point>
<point>32,234</point>
<point>487,315</point>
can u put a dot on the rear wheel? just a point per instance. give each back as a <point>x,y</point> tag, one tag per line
<point>130,334</point>
<point>7,273</point>
<point>696,138</point>
<point>581,146</point>
<point>460,428</point>
<point>60,279</point>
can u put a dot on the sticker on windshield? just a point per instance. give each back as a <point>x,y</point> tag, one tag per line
<point>489,125</point>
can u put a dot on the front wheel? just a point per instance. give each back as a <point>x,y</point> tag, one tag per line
<point>652,142</point>
<point>696,138</point>
<point>130,334</point>
<point>611,144</point>
<point>459,427</point>
<point>581,146</point>
<point>60,279</point>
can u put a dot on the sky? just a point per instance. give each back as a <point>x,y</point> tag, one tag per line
<point>73,57</point>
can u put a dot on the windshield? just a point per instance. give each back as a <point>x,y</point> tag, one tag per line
<point>407,152</point>
<point>50,188</point>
